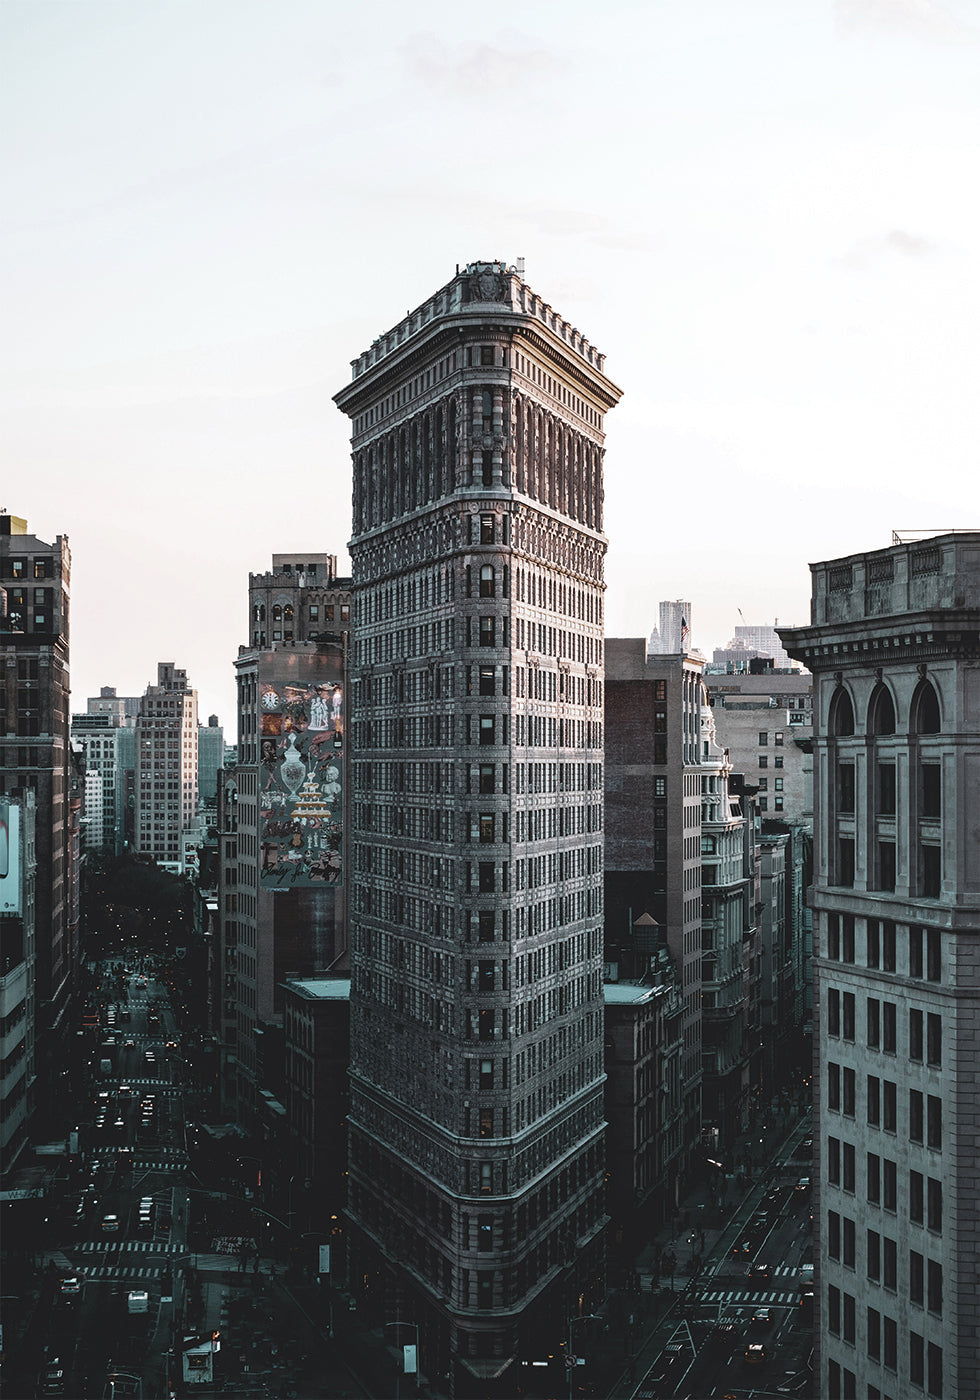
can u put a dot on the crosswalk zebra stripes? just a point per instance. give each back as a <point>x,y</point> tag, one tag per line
<point>753,1296</point>
<point>130,1246</point>
<point>112,1271</point>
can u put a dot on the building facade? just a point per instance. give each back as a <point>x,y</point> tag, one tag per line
<point>653,837</point>
<point>727,927</point>
<point>18,874</point>
<point>893,647</point>
<point>35,579</point>
<point>476,1004</point>
<point>766,724</point>
<point>166,767</point>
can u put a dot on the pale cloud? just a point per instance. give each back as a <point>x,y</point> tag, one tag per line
<point>478,67</point>
<point>922,19</point>
<point>867,251</point>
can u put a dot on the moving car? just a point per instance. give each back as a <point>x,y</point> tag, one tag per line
<point>757,1270</point>
<point>110,1224</point>
<point>755,1354</point>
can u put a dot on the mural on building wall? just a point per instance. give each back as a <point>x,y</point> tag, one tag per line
<point>301,768</point>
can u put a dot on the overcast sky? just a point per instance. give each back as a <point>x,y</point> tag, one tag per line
<point>765,214</point>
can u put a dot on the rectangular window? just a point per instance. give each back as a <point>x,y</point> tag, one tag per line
<point>888,1027</point>
<point>833,1161</point>
<point>486,876</point>
<point>833,1310</point>
<point>917,1373</point>
<point>779,784</point>
<point>889,1260</point>
<point>916,1115</point>
<point>847,938</point>
<point>915,1034</point>
<point>763,738</point>
<point>933,956</point>
<point>763,761</point>
<point>873,943</point>
<point>935,1377</point>
<point>845,787</point>
<point>915,951</point>
<point>485,925</point>
<point>778,761</point>
<point>848,1081</point>
<point>874,1100</point>
<point>488,680</point>
<point>488,631</point>
<point>931,790</point>
<point>833,1086</point>
<point>487,779</point>
<point>847,1243</point>
<point>486,827</point>
<point>889,1101</point>
<point>888,945</point>
<point>845,860</point>
<point>886,865</point>
<point>833,1012</point>
<point>889,1177</point>
<point>833,1234</point>
<point>874,1334</point>
<point>934,1040</point>
<point>487,733</point>
<point>849,1318</point>
<point>886,789</point>
<point>763,784</point>
<point>931,872</point>
<point>917,1277</point>
<point>934,1122</point>
<point>874,1023</point>
<point>874,1178</point>
<point>890,1336</point>
<point>874,1255</point>
<point>777,738</point>
<point>847,1163</point>
<point>916,1197</point>
<point>935,1297</point>
<point>833,937</point>
<point>848,1008</point>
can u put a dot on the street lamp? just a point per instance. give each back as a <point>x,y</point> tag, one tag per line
<point>571,1360</point>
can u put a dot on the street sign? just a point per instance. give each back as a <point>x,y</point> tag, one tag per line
<point>324,1259</point>
<point>571,1361</point>
<point>411,1360</point>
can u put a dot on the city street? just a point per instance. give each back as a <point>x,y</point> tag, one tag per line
<point>742,1325</point>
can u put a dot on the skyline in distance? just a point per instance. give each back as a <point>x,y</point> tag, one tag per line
<point>760,217</point>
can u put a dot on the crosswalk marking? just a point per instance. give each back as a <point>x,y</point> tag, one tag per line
<point>132,1246</point>
<point>756,1297</point>
<point>108,1271</point>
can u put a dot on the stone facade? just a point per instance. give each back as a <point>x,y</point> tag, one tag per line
<point>476,1120</point>
<point>893,647</point>
<point>35,581</point>
<point>653,836</point>
<point>166,767</point>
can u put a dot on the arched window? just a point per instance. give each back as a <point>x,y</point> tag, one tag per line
<point>881,711</point>
<point>925,710</point>
<point>841,713</point>
<point>276,613</point>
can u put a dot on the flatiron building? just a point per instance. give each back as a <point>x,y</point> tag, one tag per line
<point>476,1124</point>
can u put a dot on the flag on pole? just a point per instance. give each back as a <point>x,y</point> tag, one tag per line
<point>685,630</point>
